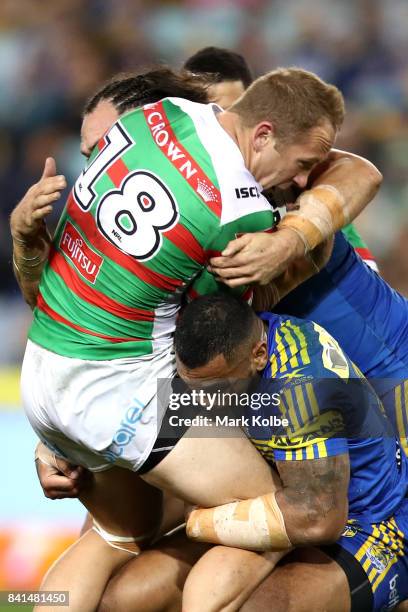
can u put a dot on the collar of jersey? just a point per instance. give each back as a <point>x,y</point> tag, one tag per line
<point>273,321</point>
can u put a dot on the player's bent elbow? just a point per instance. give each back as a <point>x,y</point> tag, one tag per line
<point>370,172</point>
<point>327,534</point>
<point>375,176</point>
<point>362,171</point>
<point>325,531</point>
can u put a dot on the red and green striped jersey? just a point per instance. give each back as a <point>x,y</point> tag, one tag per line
<point>359,246</point>
<point>165,190</point>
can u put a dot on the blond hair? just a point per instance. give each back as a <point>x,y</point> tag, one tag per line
<point>293,100</point>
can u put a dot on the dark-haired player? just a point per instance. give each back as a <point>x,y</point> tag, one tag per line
<point>197,71</point>
<point>108,298</point>
<point>226,72</point>
<point>346,297</point>
<point>337,460</point>
<point>120,94</point>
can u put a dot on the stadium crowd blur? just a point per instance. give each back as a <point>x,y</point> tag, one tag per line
<point>55,53</point>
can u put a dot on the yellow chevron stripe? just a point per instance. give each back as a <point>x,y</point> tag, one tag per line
<point>304,355</point>
<point>291,412</point>
<point>283,356</point>
<point>322,450</point>
<point>363,548</point>
<point>312,399</point>
<point>398,413</point>
<point>309,452</point>
<point>301,404</point>
<point>293,348</point>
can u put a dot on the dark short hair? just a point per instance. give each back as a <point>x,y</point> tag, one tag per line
<point>212,325</point>
<point>219,64</point>
<point>127,91</point>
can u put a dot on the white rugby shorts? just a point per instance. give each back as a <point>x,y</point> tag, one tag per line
<point>95,413</point>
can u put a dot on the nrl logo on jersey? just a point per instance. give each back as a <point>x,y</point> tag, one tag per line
<point>86,260</point>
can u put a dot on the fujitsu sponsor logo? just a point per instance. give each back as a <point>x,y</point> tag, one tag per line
<point>87,261</point>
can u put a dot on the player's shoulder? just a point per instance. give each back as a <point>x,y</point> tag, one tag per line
<point>305,349</point>
<point>241,194</point>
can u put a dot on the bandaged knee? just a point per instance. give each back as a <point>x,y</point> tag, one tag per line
<point>126,543</point>
<point>253,524</point>
<point>322,211</point>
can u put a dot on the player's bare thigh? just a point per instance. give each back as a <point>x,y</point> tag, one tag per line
<point>154,581</point>
<point>213,471</point>
<point>203,471</point>
<point>123,504</point>
<point>223,578</point>
<point>305,580</point>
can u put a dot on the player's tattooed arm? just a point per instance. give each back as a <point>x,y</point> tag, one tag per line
<point>313,500</point>
<point>31,239</point>
<point>309,510</point>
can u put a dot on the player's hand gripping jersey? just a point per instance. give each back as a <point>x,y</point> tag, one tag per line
<point>158,198</point>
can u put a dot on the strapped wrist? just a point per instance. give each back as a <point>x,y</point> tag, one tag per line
<point>254,524</point>
<point>321,213</point>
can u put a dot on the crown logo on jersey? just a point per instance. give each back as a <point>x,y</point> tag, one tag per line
<point>206,191</point>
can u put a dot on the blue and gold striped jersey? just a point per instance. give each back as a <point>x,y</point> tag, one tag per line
<point>356,306</point>
<point>326,407</point>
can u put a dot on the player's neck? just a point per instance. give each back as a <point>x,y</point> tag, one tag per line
<point>231,123</point>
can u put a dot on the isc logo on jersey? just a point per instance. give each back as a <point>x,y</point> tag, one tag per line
<point>247,192</point>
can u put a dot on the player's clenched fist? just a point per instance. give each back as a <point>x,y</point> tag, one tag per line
<point>59,479</point>
<point>28,216</point>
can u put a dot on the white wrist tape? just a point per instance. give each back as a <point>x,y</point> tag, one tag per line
<point>322,212</point>
<point>253,524</point>
<point>45,455</point>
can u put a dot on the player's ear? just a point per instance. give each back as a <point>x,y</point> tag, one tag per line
<point>263,134</point>
<point>260,354</point>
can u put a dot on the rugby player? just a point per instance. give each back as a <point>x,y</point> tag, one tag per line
<point>166,588</point>
<point>331,465</point>
<point>345,297</point>
<point>156,561</point>
<point>83,262</point>
<point>228,75</point>
<point>226,72</point>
